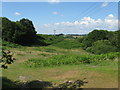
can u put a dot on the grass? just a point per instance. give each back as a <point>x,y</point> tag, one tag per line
<point>72,59</point>
<point>68,44</point>
<point>57,74</point>
<point>10,45</point>
<point>63,63</point>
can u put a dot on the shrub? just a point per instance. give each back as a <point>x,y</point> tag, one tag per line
<point>102,46</point>
<point>94,36</point>
<point>80,39</point>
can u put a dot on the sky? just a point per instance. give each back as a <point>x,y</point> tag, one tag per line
<point>64,17</point>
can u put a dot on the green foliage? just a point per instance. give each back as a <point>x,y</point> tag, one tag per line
<point>40,41</point>
<point>0,27</point>
<point>80,39</point>
<point>27,34</point>
<point>10,44</point>
<point>101,47</point>
<point>100,41</point>
<point>118,39</point>
<point>61,41</point>
<point>71,60</point>
<point>6,59</point>
<point>113,37</point>
<point>8,29</point>
<point>94,36</point>
<point>51,39</point>
<point>20,32</point>
<point>68,44</point>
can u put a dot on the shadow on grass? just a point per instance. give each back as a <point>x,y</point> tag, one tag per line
<point>8,84</point>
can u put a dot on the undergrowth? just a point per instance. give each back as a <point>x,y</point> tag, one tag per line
<point>71,60</point>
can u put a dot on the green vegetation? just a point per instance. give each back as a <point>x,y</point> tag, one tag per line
<point>6,59</point>
<point>10,45</point>
<point>49,59</point>
<point>71,60</point>
<point>20,32</point>
<point>51,39</point>
<point>68,44</point>
<point>100,41</point>
<point>23,32</point>
<point>101,47</point>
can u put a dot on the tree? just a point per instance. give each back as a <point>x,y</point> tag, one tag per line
<point>113,37</point>
<point>93,37</point>
<point>0,27</point>
<point>20,32</point>
<point>27,32</point>
<point>8,29</point>
<point>118,38</point>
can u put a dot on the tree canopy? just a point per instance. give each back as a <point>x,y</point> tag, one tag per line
<point>20,32</point>
<point>101,41</point>
<point>94,36</point>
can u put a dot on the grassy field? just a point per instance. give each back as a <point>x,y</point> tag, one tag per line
<point>62,61</point>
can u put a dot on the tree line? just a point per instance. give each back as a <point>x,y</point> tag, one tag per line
<point>23,32</point>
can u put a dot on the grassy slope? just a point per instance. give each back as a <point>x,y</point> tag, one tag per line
<point>97,76</point>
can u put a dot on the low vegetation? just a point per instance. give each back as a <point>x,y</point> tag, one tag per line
<point>71,60</point>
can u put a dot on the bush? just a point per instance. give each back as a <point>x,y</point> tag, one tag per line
<point>94,36</point>
<point>101,47</point>
<point>80,39</point>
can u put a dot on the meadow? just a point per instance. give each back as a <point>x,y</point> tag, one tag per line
<point>62,60</point>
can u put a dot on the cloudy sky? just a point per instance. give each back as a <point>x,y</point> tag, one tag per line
<point>65,17</point>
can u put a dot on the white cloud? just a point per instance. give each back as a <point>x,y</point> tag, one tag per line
<point>17,13</point>
<point>110,15</point>
<point>55,13</point>
<point>82,26</point>
<point>87,20</point>
<point>104,4</point>
<point>54,1</point>
<point>76,22</point>
<point>57,24</point>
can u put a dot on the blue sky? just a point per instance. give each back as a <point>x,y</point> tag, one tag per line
<point>64,17</point>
